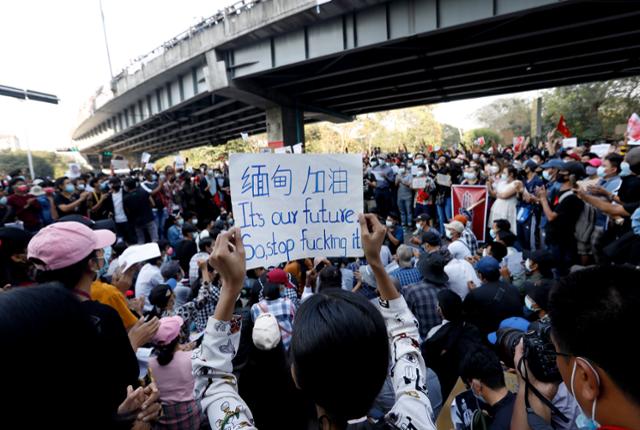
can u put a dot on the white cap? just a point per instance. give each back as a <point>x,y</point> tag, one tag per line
<point>266,332</point>
<point>137,254</point>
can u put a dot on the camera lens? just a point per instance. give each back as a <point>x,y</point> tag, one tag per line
<point>506,341</point>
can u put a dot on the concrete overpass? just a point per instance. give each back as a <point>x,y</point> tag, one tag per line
<point>273,65</point>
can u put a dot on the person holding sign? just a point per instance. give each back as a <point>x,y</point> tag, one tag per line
<point>405,196</point>
<point>342,390</point>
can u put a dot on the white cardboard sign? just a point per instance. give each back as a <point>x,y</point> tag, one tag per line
<point>570,142</point>
<point>291,206</point>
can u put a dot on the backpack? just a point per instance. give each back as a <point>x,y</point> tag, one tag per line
<point>586,221</point>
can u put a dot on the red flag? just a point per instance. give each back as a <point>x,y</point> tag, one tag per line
<point>562,127</point>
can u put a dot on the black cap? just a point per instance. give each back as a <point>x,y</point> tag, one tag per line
<point>539,292</point>
<point>103,224</point>
<point>432,238</point>
<point>431,267</point>
<point>422,217</point>
<point>13,240</point>
<point>160,295</point>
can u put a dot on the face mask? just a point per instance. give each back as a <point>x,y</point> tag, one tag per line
<point>582,421</point>
<point>591,170</point>
<point>493,169</point>
<point>154,177</point>
<point>3,201</point>
<point>194,221</point>
<point>527,266</point>
<point>419,227</point>
<point>374,164</point>
<point>546,175</point>
<point>420,173</point>
<point>492,233</point>
<point>477,396</point>
<point>448,233</point>
<point>635,221</point>
<point>504,176</point>
<point>625,169</point>
<point>409,165</point>
<point>81,187</point>
<point>419,161</point>
<point>163,177</point>
<point>22,189</point>
<point>401,170</point>
<point>485,252</point>
<point>389,223</point>
<point>230,221</point>
<point>517,165</point>
<point>562,178</point>
<point>104,186</point>
<point>529,303</point>
<point>180,222</point>
<point>469,175</point>
<point>475,156</point>
<point>601,172</point>
<point>69,188</point>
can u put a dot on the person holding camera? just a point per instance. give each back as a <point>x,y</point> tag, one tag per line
<point>592,311</point>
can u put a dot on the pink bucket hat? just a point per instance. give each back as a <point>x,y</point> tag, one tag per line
<point>63,244</point>
<point>168,330</point>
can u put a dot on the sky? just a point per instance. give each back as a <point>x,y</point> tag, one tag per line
<point>58,47</point>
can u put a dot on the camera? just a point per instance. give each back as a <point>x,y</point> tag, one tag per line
<point>539,352</point>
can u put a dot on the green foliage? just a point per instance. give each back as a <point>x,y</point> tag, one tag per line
<point>489,135</point>
<point>509,113</point>
<point>211,154</point>
<point>413,128</point>
<point>44,163</point>
<point>592,111</point>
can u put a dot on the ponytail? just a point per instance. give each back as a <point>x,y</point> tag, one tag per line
<point>165,352</point>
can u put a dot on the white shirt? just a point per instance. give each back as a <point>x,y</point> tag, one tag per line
<point>118,209</point>
<point>148,278</point>
<point>460,272</point>
<point>385,255</point>
<point>459,249</point>
<point>513,262</point>
<point>194,271</point>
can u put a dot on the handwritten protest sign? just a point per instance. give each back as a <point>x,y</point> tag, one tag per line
<point>570,142</point>
<point>601,150</point>
<point>419,183</point>
<point>119,164</point>
<point>290,206</point>
<point>633,130</point>
<point>145,158</point>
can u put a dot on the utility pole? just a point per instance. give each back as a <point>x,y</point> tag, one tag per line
<point>106,42</point>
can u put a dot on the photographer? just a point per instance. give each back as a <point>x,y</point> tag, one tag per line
<point>592,312</point>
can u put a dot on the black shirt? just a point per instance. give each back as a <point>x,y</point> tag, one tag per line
<point>61,199</point>
<point>501,412</point>
<point>116,366</point>
<point>561,230</point>
<point>138,207</point>
<point>368,189</point>
<point>629,190</point>
<point>486,306</point>
<point>184,251</point>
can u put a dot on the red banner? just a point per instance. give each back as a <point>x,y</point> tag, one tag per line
<point>471,201</point>
<point>562,127</point>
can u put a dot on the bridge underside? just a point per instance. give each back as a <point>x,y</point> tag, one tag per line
<point>564,44</point>
<point>561,44</point>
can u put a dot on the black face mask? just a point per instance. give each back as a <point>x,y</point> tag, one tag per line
<point>561,178</point>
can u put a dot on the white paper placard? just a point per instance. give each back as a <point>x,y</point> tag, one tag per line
<point>297,148</point>
<point>633,130</point>
<point>570,142</point>
<point>600,150</point>
<point>291,206</point>
<point>74,171</point>
<point>419,183</point>
<point>119,164</point>
<point>179,162</point>
<point>145,158</point>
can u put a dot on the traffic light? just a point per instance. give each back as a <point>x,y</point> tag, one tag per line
<point>107,153</point>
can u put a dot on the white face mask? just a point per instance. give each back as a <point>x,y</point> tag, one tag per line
<point>527,265</point>
<point>389,223</point>
<point>494,169</point>
<point>401,170</point>
<point>583,421</point>
<point>529,303</point>
<point>504,176</point>
<point>485,252</point>
<point>448,233</point>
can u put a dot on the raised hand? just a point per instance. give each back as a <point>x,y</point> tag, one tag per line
<point>373,234</point>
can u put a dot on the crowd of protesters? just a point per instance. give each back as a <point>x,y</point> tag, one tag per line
<point>127,303</point>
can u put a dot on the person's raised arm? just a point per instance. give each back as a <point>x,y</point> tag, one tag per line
<point>373,234</point>
<point>216,387</point>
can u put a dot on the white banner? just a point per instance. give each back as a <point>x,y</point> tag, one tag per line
<point>145,158</point>
<point>291,206</point>
<point>570,142</point>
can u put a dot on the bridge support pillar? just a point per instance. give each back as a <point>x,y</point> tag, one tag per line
<point>285,124</point>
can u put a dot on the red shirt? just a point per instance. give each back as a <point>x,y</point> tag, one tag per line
<point>30,216</point>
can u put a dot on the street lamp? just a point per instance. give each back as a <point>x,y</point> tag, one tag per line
<point>36,96</point>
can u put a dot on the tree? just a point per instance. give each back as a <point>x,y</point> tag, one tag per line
<point>489,135</point>
<point>510,113</point>
<point>44,163</point>
<point>593,110</point>
<point>450,135</point>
